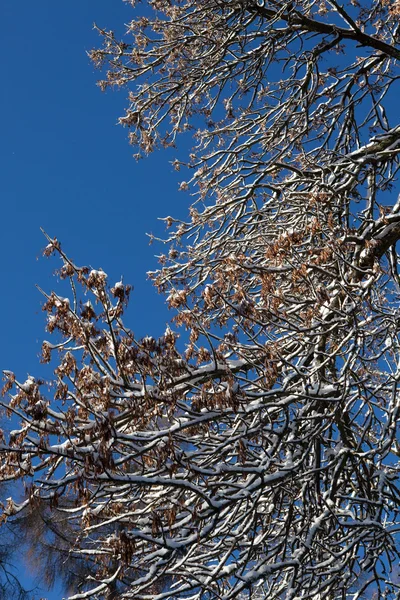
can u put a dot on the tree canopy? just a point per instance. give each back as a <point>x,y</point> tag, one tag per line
<point>261,460</point>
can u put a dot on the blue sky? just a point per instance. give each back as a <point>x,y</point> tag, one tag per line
<point>66,166</point>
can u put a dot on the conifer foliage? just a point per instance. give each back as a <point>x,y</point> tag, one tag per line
<point>262,459</point>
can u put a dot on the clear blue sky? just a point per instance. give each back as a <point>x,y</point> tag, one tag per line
<point>67,167</point>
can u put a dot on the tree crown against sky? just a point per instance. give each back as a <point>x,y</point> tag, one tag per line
<point>263,460</point>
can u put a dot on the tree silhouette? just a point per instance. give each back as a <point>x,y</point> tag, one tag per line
<point>262,459</point>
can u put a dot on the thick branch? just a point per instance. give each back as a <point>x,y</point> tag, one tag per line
<point>298,20</point>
